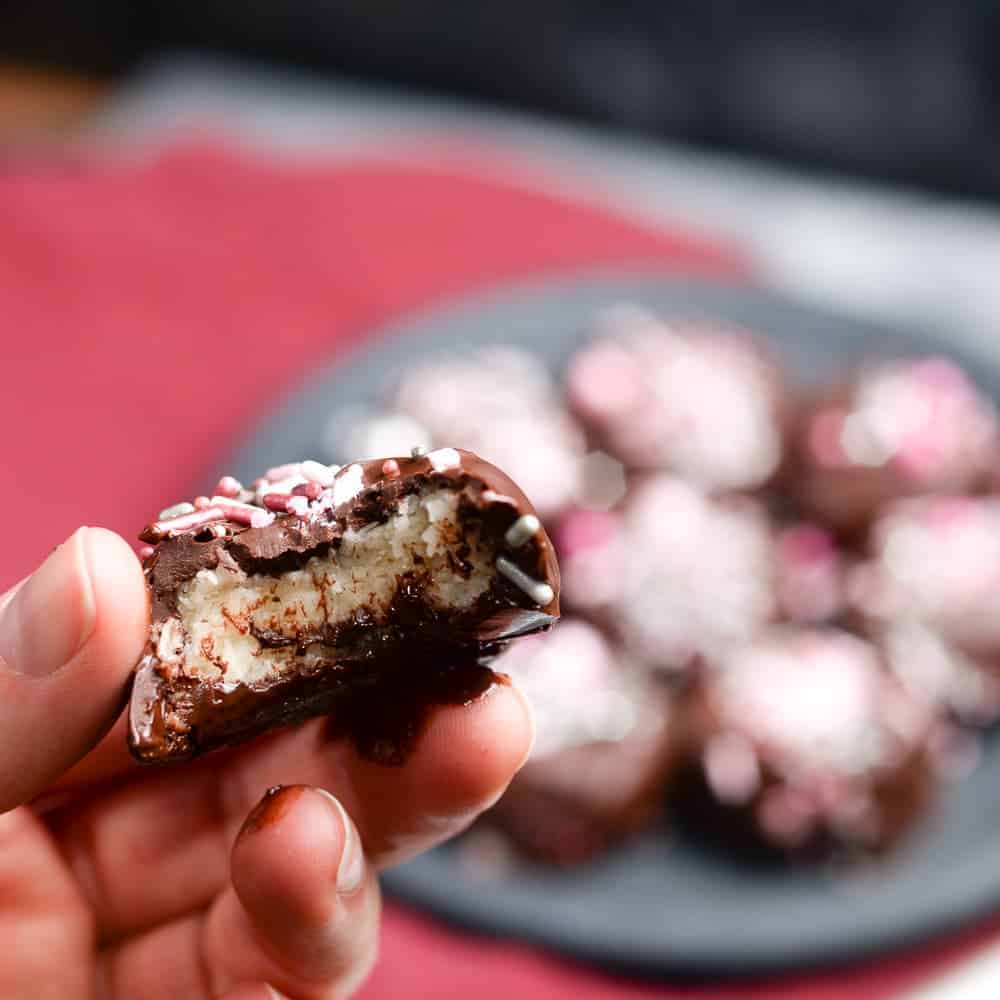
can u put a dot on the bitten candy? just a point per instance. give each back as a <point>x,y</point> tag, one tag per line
<point>343,591</point>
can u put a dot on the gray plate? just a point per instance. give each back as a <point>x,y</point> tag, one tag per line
<point>660,905</point>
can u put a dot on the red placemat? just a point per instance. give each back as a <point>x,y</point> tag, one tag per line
<point>149,308</point>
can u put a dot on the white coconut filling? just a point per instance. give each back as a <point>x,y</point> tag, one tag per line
<point>220,610</point>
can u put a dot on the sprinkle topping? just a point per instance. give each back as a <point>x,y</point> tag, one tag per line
<point>276,501</point>
<point>176,510</point>
<point>169,527</point>
<point>491,496</point>
<point>316,472</point>
<point>540,593</point>
<point>261,518</point>
<point>222,501</point>
<point>227,486</point>
<point>311,491</point>
<point>522,530</point>
<point>242,513</point>
<point>348,484</point>
<point>444,459</point>
<point>279,486</point>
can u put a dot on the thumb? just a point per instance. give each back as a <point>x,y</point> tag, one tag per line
<point>69,636</point>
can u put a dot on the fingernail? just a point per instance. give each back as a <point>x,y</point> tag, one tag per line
<point>274,804</point>
<point>351,870</point>
<point>529,710</point>
<point>50,615</point>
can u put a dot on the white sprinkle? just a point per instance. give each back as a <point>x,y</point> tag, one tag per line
<point>317,472</point>
<point>281,485</point>
<point>418,451</point>
<point>176,511</point>
<point>444,459</point>
<point>348,484</point>
<point>299,506</point>
<point>523,529</point>
<point>491,496</point>
<point>261,518</point>
<point>540,593</point>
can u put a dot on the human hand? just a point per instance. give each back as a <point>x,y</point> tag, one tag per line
<point>192,881</point>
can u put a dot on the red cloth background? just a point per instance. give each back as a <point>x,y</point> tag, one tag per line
<point>148,308</point>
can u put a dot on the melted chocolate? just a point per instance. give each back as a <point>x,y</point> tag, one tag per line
<point>385,721</point>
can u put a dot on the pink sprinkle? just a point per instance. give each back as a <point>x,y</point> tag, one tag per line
<point>280,472</point>
<point>261,518</point>
<point>311,491</point>
<point>929,445</point>
<point>201,503</point>
<point>804,543</point>
<point>229,487</point>
<point>786,815</point>
<point>390,468</point>
<point>824,439</point>
<point>145,552</point>
<point>185,522</point>
<point>233,510</point>
<point>276,501</point>
<point>299,506</point>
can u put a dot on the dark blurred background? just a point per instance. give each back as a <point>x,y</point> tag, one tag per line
<point>903,90</point>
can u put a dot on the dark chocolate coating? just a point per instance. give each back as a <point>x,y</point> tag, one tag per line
<point>603,750</point>
<point>753,782</point>
<point>368,661</point>
<point>857,447</point>
<point>649,395</point>
<point>571,806</point>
